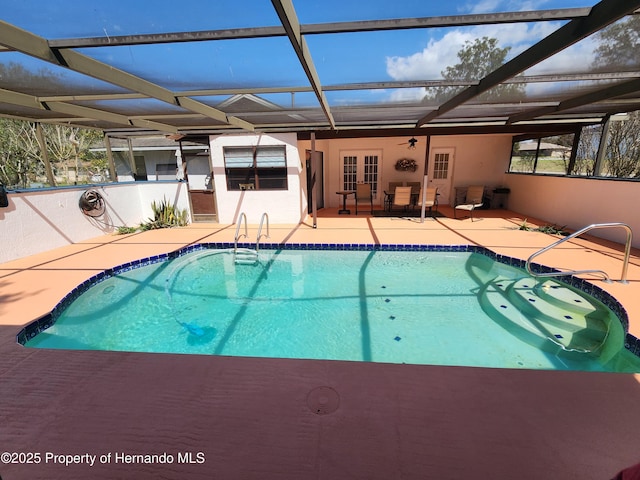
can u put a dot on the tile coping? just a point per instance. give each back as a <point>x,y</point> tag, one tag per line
<point>33,328</point>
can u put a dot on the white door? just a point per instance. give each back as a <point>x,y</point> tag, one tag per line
<point>440,169</point>
<point>359,167</point>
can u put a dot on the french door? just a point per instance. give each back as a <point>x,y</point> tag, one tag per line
<point>360,167</point>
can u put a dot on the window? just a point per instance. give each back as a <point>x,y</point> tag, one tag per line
<point>349,172</point>
<point>547,155</point>
<point>587,152</point>
<point>166,171</point>
<point>256,168</point>
<point>441,166</point>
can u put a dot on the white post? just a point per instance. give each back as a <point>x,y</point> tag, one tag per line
<point>425,180</point>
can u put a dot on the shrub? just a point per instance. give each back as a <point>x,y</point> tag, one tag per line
<point>165,216</point>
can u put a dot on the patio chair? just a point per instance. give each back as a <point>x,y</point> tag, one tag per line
<point>388,194</point>
<point>393,185</point>
<point>415,187</point>
<point>415,190</point>
<point>431,199</point>
<point>401,198</point>
<point>473,200</point>
<point>364,194</point>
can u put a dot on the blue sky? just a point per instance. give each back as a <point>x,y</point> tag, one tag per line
<point>344,58</point>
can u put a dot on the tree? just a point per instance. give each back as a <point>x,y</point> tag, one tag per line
<point>68,148</point>
<point>618,51</point>
<point>619,44</point>
<point>587,150</point>
<point>477,60</point>
<point>623,148</point>
<point>21,160</point>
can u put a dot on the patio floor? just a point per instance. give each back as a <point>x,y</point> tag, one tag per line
<point>248,418</point>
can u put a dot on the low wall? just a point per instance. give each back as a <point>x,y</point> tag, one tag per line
<point>40,220</point>
<point>577,202</point>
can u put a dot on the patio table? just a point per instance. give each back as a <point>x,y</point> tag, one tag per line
<point>345,194</point>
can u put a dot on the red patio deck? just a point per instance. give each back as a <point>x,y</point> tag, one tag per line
<point>249,418</point>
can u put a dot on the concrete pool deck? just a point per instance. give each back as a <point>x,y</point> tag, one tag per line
<point>248,418</point>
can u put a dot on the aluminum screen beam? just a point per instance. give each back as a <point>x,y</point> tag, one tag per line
<point>601,15</point>
<point>323,28</point>
<point>606,93</point>
<point>30,44</point>
<point>288,17</point>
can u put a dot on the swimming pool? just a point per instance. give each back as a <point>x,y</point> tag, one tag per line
<point>393,305</point>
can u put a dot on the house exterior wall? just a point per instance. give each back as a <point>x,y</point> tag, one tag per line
<point>40,220</point>
<point>478,160</point>
<point>282,206</point>
<point>577,202</point>
<point>152,158</point>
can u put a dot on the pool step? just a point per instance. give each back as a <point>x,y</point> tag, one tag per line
<point>547,315</point>
<point>565,309</point>
<point>245,256</point>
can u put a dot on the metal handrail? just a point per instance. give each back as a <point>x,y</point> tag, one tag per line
<point>245,234</point>
<point>625,264</point>
<point>264,215</point>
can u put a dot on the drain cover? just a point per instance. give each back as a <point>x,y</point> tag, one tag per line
<point>323,400</point>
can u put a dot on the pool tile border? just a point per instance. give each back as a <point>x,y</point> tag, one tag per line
<point>32,329</point>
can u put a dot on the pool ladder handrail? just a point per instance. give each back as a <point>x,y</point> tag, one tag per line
<point>262,219</point>
<point>238,235</point>
<point>625,264</point>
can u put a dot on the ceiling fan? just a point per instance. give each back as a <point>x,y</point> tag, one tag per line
<point>412,143</point>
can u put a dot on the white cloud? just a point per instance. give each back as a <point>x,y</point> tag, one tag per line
<point>428,63</point>
<point>576,58</point>
<point>491,6</point>
<point>482,6</point>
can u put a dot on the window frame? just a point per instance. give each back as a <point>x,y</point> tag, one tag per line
<point>252,175</point>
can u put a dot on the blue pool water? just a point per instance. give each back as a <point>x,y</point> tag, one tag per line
<point>444,308</point>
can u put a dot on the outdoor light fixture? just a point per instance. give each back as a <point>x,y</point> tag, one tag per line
<point>412,143</point>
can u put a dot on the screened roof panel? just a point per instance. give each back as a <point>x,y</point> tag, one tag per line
<point>97,18</point>
<point>266,102</point>
<point>26,112</point>
<point>418,54</point>
<point>278,119</point>
<point>321,11</point>
<point>372,97</point>
<point>597,53</point>
<point>541,91</point>
<point>261,65</point>
<point>137,106</point>
<point>190,121</point>
<point>221,64</point>
<point>383,115</point>
<point>605,107</point>
<point>26,74</point>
